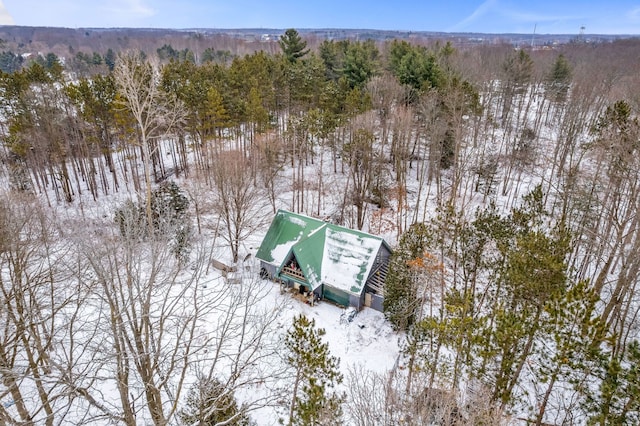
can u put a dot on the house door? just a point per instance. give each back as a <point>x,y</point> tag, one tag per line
<point>367,300</point>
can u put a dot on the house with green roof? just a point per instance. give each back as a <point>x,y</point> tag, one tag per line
<point>324,260</point>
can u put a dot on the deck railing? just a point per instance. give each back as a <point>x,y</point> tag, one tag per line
<point>295,273</point>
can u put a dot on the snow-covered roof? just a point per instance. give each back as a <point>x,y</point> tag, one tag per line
<point>348,258</point>
<point>327,254</point>
<point>286,230</point>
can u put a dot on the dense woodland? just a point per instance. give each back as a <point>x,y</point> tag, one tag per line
<point>506,178</point>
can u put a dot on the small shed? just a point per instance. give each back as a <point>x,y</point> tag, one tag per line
<point>345,266</point>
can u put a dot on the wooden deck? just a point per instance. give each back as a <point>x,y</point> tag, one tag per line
<point>294,273</point>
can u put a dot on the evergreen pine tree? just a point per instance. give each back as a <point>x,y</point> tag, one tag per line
<point>314,399</point>
<point>617,399</point>
<point>170,218</point>
<point>559,79</point>
<point>110,59</point>
<point>530,274</point>
<point>401,293</point>
<point>292,45</point>
<point>209,403</point>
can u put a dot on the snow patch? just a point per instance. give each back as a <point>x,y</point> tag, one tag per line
<point>280,251</point>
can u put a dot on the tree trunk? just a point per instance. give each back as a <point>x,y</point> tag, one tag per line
<point>294,394</point>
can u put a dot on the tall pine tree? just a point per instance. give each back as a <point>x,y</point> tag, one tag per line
<point>314,399</point>
<point>292,45</point>
<point>401,293</point>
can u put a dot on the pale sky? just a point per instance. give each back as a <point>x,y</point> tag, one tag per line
<point>489,16</point>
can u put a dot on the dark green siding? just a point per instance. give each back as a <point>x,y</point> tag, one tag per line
<point>338,296</point>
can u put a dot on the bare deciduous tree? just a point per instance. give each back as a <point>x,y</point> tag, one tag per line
<point>269,163</point>
<point>37,311</point>
<point>147,313</point>
<point>238,200</point>
<point>154,112</point>
<point>160,324</point>
<point>377,399</point>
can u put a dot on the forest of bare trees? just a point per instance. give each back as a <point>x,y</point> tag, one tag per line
<point>506,179</point>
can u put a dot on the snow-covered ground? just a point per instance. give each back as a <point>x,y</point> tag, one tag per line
<point>359,339</point>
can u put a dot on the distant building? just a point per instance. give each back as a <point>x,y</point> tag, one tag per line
<point>269,37</point>
<point>325,261</point>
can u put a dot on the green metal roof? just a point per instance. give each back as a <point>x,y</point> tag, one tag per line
<point>309,254</point>
<point>327,254</point>
<point>286,229</point>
